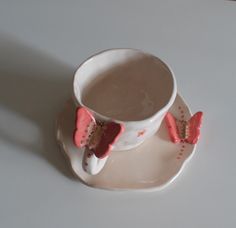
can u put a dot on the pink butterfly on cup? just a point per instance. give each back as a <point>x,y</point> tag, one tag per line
<point>96,138</point>
<point>182,130</point>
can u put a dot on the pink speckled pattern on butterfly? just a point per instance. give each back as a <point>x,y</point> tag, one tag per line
<point>96,136</point>
<point>184,131</point>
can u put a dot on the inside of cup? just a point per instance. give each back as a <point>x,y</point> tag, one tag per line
<point>124,84</point>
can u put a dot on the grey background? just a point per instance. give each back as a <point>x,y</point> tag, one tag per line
<point>42,43</point>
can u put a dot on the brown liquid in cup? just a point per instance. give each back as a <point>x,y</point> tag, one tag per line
<point>129,92</point>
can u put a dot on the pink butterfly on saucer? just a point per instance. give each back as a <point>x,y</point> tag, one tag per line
<point>94,135</point>
<point>182,130</point>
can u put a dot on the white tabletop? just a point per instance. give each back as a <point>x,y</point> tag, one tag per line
<point>42,43</point>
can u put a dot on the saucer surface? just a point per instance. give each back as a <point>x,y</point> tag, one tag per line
<point>152,165</point>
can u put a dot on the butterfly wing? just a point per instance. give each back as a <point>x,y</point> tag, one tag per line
<point>110,134</point>
<point>172,128</point>
<point>85,123</point>
<point>194,128</point>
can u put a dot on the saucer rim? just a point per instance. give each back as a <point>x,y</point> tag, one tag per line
<point>63,150</point>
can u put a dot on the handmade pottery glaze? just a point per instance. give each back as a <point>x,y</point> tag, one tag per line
<point>127,87</point>
<point>152,165</point>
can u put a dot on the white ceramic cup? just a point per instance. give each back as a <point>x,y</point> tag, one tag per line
<point>152,72</point>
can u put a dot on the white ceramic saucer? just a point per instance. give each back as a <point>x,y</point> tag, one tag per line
<point>153,165</point>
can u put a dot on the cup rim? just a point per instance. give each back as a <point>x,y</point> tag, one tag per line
<point>106,118</point>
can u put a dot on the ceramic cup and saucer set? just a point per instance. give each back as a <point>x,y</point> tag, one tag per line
<point>127,127</point>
